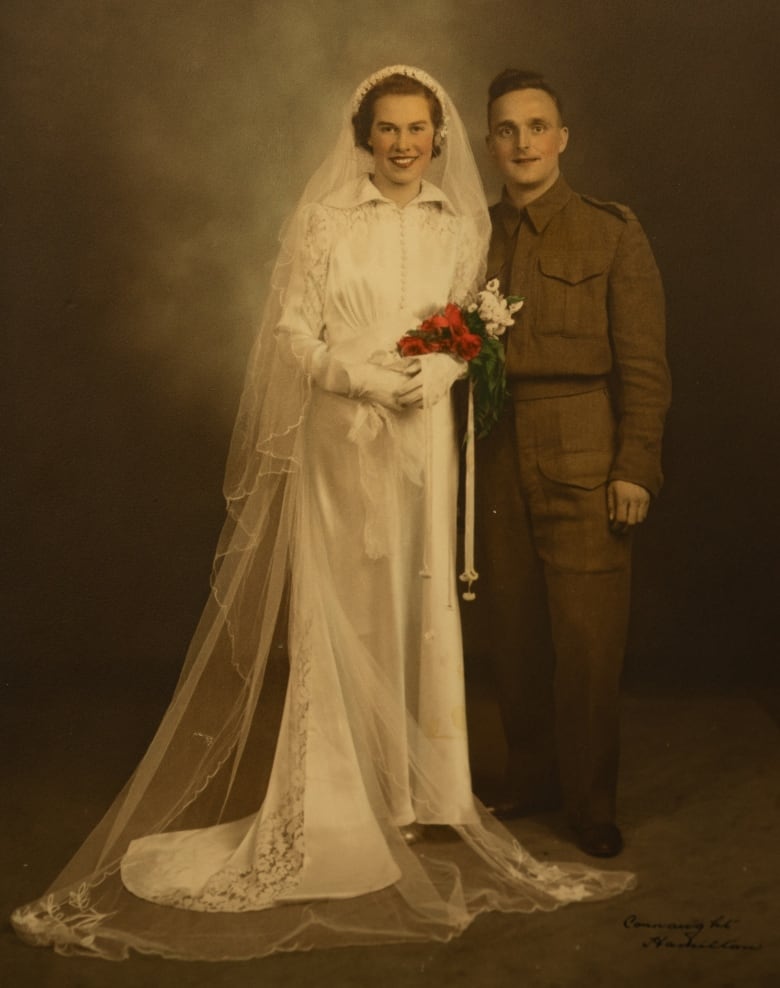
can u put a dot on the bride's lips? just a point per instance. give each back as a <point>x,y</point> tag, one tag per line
<point>404,162</point>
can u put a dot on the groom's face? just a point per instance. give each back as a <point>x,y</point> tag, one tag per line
<point>526,140</point>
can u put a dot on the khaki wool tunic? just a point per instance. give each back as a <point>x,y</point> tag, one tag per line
<point>594,308</point>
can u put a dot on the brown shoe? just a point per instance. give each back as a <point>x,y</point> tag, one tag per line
<point>600,840</point>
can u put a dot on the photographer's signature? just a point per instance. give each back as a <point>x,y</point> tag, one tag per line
<point>714,934</point>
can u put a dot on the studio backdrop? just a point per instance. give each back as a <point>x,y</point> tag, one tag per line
<point>151,152</point>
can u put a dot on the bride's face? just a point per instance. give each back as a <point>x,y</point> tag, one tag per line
<point>401,142</point>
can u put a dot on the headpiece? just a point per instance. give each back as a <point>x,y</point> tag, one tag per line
<point>418,75</point>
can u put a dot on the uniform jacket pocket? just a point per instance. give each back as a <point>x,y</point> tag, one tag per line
<point>573,292</point>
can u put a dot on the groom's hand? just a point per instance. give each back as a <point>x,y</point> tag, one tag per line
<point>627,505</point>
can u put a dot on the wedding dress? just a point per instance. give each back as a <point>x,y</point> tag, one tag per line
<point>373,609</point>
<point>245,831</point>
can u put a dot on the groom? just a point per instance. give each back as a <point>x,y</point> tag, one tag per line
<point>570,470</point>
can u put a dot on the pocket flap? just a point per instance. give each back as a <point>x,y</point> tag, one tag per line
<point>587,468</point>
<point>574,267</point>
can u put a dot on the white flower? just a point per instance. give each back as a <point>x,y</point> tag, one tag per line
<point>494,310</point>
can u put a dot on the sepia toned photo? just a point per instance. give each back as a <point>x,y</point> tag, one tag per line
<point>389,500</point>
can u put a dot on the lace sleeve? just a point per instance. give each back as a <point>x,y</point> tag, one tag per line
<point>469,260</point>
<point>300,326</point>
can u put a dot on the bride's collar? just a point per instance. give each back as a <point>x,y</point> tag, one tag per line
<point>362,190</point>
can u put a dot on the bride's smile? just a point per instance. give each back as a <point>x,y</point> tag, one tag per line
<point>401,142</point>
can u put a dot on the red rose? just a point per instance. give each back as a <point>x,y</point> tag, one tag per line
<point>442,344</point>
<point>454,318</point>
<point>435,324</point>
<point>412,346</point>
<point>468,345</point>
<point>441,333</point>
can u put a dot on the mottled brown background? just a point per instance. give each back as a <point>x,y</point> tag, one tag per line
<point>151,151</point>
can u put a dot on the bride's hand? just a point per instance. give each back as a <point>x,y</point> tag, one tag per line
<point>430,380</point>
<point>396,388</point>
<point>411,394</point>
<point>407,383</point>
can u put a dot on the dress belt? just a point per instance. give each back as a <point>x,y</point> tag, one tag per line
<point>527,388</point>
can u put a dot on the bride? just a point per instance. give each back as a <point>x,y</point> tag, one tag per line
<point>246,830</point>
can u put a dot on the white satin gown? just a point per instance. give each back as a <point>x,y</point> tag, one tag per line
<point>373,735</point>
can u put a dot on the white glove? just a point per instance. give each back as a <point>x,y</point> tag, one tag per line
<point>428,379</point>
<point>367,381</point>
<point>439,371</point>
<point>382,385</point>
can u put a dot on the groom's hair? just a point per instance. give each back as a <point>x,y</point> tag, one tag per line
<point>512,79</point>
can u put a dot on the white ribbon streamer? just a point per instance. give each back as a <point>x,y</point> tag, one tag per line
<point>469,574</point>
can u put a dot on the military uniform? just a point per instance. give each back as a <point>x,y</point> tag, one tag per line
<point>590,389</point>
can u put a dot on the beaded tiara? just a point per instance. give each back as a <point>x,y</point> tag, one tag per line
<point>408,70</point>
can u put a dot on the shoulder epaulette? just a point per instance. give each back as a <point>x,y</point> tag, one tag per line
<point>616,208</point>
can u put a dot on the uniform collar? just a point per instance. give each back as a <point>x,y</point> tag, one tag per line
<point>539,212</point>
<point>363,190</point>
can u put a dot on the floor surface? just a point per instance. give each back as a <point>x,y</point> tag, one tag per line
<point>700,782</point>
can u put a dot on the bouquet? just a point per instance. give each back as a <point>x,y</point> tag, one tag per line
<point>473,332</point>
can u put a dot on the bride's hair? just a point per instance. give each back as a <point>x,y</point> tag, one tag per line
<point>395,85</point>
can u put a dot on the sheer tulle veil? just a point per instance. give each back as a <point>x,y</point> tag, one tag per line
<point>210,757</point>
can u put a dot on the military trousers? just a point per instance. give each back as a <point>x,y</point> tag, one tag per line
<point>553,596</point>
